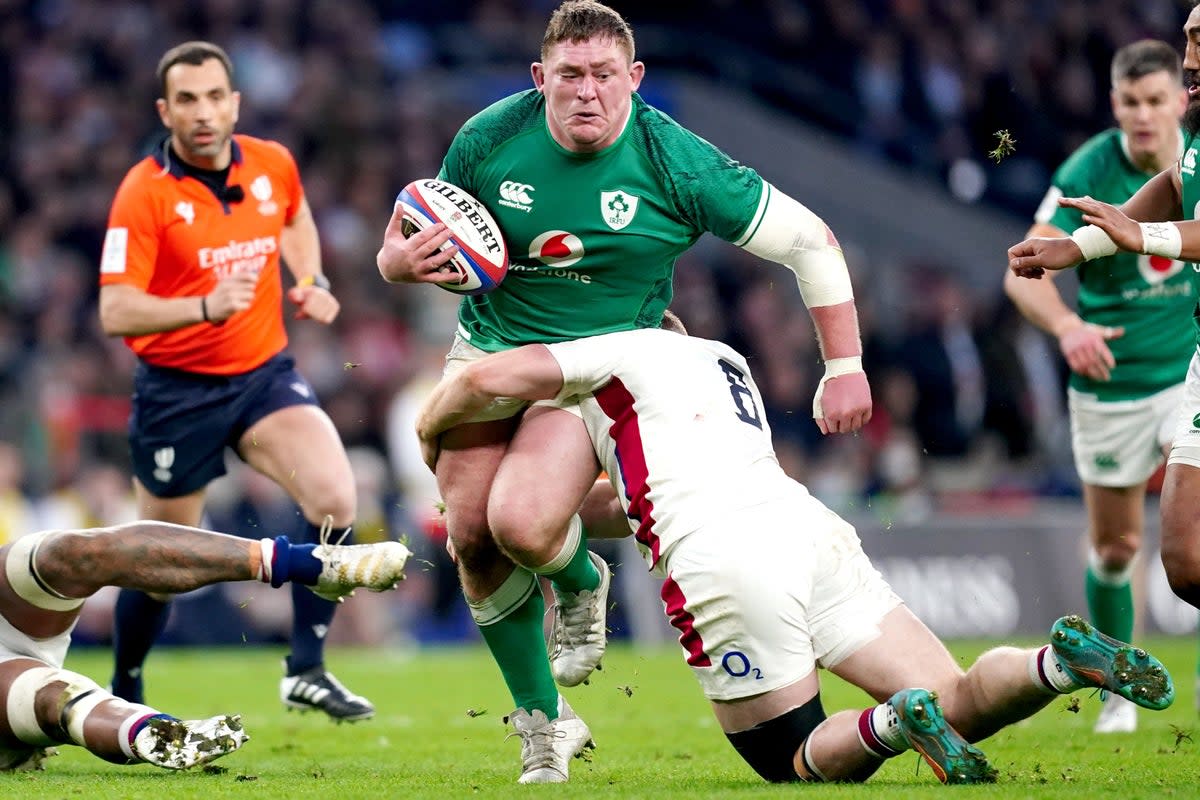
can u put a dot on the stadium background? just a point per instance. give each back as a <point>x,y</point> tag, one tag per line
<point>878,114</point>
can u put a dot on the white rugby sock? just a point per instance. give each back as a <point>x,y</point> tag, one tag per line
<point>1048,672</point>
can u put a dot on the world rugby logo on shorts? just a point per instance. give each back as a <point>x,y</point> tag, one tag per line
<point>164,459</point>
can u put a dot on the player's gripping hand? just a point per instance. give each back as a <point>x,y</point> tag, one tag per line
<point>314,303</point>
<point>1085,347</point>
<point>1032,257</point>
<point>413,259</point>
<point>843,403</point>
<point>1125,233</point>
<point>233,294</point>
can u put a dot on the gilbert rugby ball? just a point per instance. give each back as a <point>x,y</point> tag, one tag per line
<point>482,258</point>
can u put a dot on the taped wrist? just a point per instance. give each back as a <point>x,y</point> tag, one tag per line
<point>770,747</point>
<point>1161,239</point>
<point>1093,242</point>
<point>786,232</point>
<point>833,368</point>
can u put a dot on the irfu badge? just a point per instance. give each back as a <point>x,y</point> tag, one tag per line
<point>618,208</point>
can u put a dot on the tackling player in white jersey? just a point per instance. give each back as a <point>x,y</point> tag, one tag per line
<point>677,422</point>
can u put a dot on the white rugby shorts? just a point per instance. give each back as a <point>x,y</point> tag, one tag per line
<point>1120,443</point>
<point>462,353</point>
<point>1186,449</point>
<point>763,596</point>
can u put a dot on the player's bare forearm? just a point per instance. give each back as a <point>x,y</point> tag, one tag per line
<point>150,556</point>
<point>1040,302</point>
<point>128,311</point>
<point>837,330</point>
<point>526,373</point>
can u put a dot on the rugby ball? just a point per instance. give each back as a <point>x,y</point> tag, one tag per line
<point>482,258</point>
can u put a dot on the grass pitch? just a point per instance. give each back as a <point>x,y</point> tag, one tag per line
<point>439,734</point>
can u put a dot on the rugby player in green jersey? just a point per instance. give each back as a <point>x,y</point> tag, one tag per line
<point>1160,219</point>
<point>597,194</point>
<point>1128,346</point>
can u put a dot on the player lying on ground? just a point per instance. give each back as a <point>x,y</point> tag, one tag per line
<point>678,424</point>
<point>44,582</point>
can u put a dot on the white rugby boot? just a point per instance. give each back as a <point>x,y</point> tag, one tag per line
<point>578,636</point>
<point>182,744</point>
<point>377,567</point>
<point>547,746</point>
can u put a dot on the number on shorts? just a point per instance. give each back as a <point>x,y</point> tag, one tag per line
<point>743,398</point>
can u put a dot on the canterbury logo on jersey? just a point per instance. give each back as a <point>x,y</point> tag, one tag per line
<point>516,195</point>
<point>238,256</point>
<point>1188,167</point>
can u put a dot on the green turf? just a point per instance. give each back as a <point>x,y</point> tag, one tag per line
<point>439,735</point>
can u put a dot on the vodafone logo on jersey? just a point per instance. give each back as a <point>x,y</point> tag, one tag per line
<point>556,249</point>
<point>1156,269</point>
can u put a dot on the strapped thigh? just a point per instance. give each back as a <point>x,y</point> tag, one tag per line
<point>770,747</point>
<point>21,568</point>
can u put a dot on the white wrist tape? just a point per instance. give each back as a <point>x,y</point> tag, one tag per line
<point>1161,239</point>
<point>786,232</point>
<point>1093,242</point>
<point>833,368</point>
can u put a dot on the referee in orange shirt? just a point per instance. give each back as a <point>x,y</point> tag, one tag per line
<point>190,277</point>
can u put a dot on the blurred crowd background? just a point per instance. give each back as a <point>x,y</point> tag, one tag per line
<point>970,409</point>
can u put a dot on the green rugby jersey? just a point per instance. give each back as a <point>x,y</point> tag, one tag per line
<point>1150,296</point>
<point>592,237</point>
<point>1191,204</point>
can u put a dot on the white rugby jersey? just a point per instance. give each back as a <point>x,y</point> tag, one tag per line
<point>678,424</point>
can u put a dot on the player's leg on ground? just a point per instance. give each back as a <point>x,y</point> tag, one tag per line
<point>140,617</point>
<point>542,532</point>
<point>42,705</point>
<point>997,690</point>
<point>1115,526</point>
<point>299,448</point>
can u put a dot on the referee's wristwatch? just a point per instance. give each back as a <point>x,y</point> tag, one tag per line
<point>318,280</point>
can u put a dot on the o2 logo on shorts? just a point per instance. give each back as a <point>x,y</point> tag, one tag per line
<point>738,666</point>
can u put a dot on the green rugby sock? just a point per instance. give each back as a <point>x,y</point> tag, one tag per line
<point>572,570</point>
<point>510,620</point>
<point>1110,602</point>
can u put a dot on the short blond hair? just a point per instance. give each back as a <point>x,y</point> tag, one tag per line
<point>581,20</point>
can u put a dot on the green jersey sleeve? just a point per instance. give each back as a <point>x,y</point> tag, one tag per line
<point>712,192</point>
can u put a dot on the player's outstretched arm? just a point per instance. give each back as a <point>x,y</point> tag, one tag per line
<point>1179,240</point>
<point>1159,200</point>
<point>527,373</point>
<point>416,258</point>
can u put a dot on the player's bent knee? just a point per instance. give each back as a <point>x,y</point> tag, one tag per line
<point>62,713</point>
<point>770,747</point>
<point>20,567</point>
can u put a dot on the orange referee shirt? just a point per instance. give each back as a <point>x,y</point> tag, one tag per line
<point>170,236</point>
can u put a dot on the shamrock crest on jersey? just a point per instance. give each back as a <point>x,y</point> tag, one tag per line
<point>618,208</point>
